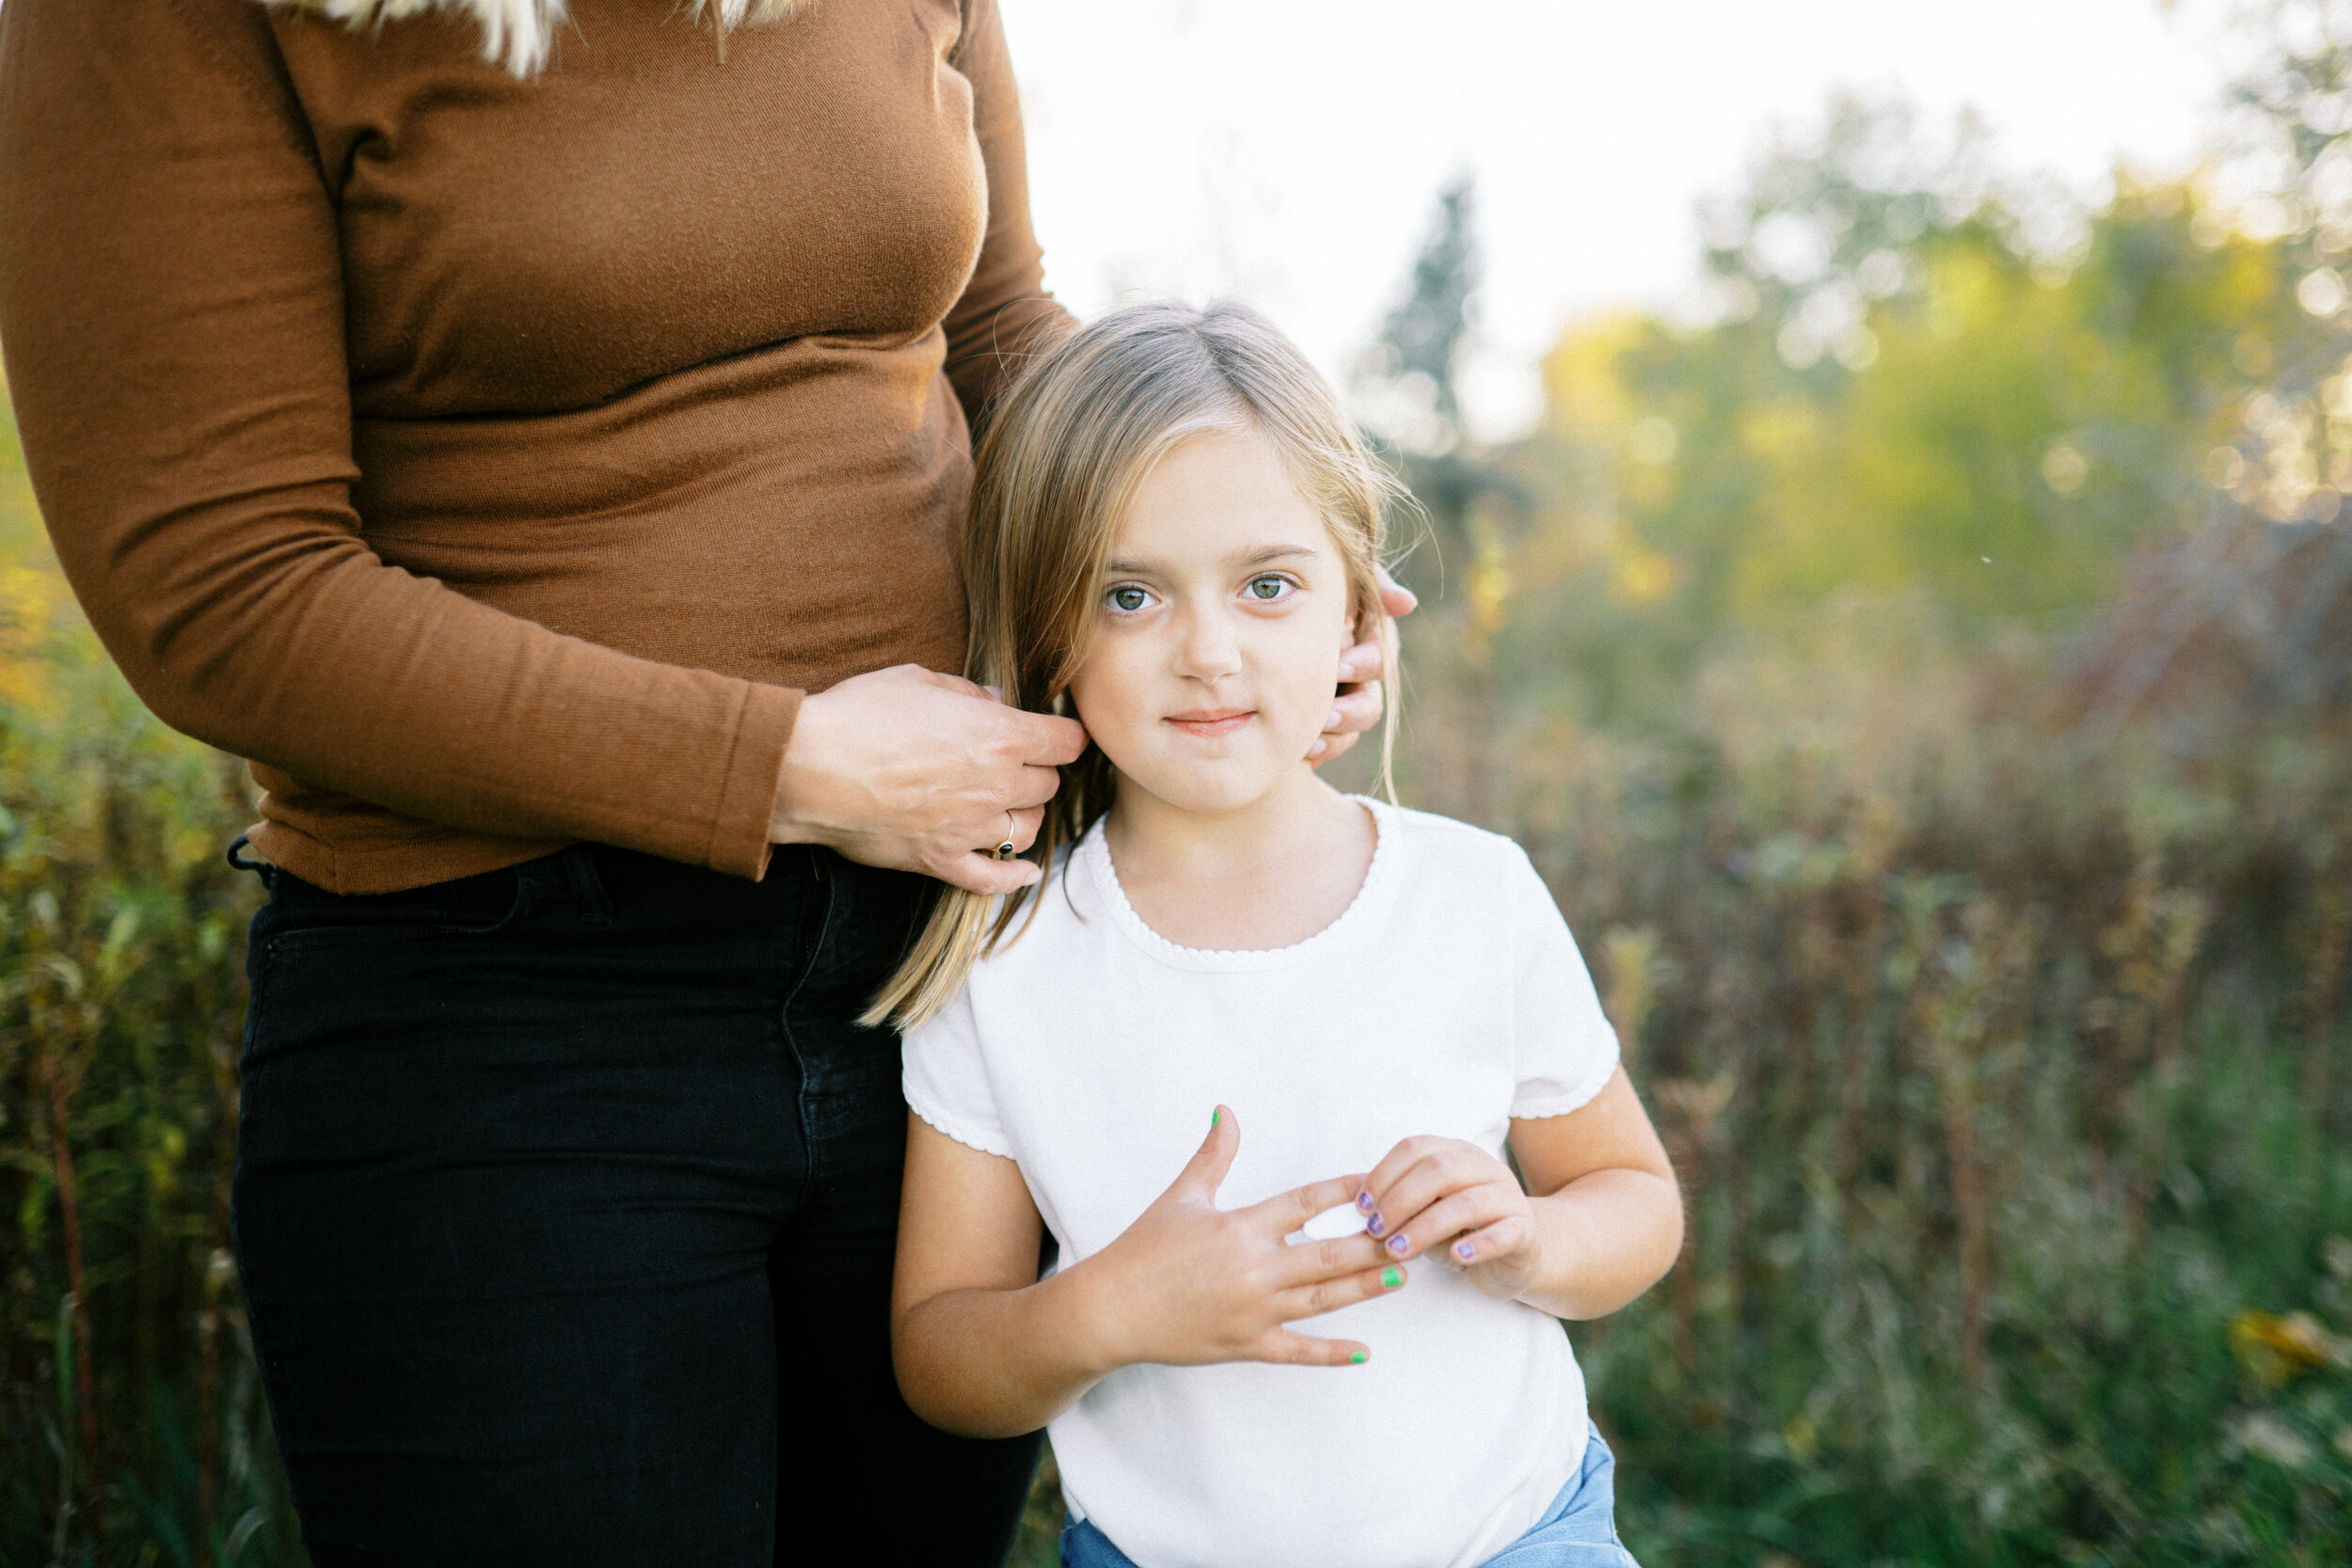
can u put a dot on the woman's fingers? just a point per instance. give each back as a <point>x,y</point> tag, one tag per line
<point>1027,824</point>
<point>1395,598</point>
<point>1285,1348</point>
<point>1328,747</point>
<point>1040,737</point>
<point>1048,741</point>
<point>951,683</point>
<point>1355,710</point>
<point>1359,703</point>
<point>984,874</point>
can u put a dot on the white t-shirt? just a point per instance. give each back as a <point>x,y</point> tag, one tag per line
<point>1447,999</point>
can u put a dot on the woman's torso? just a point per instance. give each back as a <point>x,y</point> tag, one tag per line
<point>648,350</point>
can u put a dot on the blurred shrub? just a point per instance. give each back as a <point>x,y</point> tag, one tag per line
<point>130,1424</point>
<point>2006,1088</point>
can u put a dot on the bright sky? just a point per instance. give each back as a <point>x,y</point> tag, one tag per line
<point>1288,150</point>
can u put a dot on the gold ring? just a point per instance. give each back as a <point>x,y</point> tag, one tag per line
<point>1004,850</point>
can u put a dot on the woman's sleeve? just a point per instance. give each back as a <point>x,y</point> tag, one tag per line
<point>1005,312</point>
<point>1565,1049</point>
<point>171,307</point>
<point>946,1077</point>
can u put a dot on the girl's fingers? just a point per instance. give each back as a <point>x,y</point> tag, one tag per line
<point>1436,1173</point>
<point>1313,1262</point>
<point>1329,1295</point>
<point>1286,1212</point>
<point>1449,1217</point>
<point>1284,1348</point>
<point>1488,1242</point>
<point>1396,1162</point>
<point>1206,1171</point>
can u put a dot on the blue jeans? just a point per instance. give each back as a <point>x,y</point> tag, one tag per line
<point>1578,1530</point>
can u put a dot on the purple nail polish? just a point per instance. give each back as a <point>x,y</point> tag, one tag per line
<point>1363,1201</point>
<point>1374,1225</point>
<point>1398,1243</point>
<point>1465,1251</point>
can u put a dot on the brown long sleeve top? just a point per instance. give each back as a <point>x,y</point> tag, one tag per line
<point>495,463</point>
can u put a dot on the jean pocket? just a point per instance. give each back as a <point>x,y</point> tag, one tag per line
<point>479,905</point>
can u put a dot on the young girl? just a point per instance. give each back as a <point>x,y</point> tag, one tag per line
<point>1250,1049</point>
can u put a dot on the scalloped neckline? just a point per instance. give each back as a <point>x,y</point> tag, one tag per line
<point>1096,851</point>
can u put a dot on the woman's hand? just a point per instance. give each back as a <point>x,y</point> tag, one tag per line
<point>1361,699</point>
<point>1454,1200</point>
<point>1189,1284</point>
<point>909,769</point>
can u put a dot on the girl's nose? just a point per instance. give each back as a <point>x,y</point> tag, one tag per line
<point>1207,650</point>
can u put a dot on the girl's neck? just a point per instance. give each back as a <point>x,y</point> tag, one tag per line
<point>1262,876</point>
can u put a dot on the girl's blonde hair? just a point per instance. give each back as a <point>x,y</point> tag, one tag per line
<point>1062,456</point>
<point>519,34</point>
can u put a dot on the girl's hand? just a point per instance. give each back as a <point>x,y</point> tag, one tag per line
<point>1454,1200</point>
<point>1359,704</point>
<point>1189,1283</point>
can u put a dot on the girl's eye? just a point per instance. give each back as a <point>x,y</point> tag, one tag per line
<point>1129,598</point>
<point>1267,590</point>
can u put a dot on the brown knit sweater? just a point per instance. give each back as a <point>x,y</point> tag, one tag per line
<point>495,463</point>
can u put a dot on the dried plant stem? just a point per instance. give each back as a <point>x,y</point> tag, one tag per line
<point>218,1273</point>
<point>77,1284</point>
<point>1960,1137</point>
<point>2319,1008</point>
<point>208,1408</point>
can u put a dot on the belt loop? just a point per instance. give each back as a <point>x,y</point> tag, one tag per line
<point>262,869</point>
<point>589,902</point>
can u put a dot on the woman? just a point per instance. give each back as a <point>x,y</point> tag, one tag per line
<point>548,472</point>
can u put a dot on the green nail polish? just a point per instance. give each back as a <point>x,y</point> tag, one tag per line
<point>1359,1358</point>
<point>1391,1278</point>
<point>1213,1115</point>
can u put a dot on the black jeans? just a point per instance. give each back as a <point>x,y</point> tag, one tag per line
<point>565,1201</point>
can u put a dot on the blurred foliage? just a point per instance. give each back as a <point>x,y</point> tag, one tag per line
<point>1922,664</point>
<point>131,1421</point>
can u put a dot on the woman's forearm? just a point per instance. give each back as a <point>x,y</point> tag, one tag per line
<point>1606,1237</point>
<point>984,1363</point>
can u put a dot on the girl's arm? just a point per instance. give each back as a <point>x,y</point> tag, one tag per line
<point>1599,1222</point>
<point>986,1349</point>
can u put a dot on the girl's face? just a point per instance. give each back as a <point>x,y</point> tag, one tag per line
<point>1225,607</point>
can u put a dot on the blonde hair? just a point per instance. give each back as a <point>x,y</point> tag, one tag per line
<point>520,33</point>
<point>1063,455</point>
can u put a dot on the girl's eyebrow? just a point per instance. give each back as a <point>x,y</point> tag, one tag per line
<point>1258,557</point>
<point>1265,553</point>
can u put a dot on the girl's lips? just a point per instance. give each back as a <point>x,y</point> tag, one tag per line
<point>1211,723</point>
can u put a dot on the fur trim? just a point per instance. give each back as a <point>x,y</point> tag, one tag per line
<point>520,33</point>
